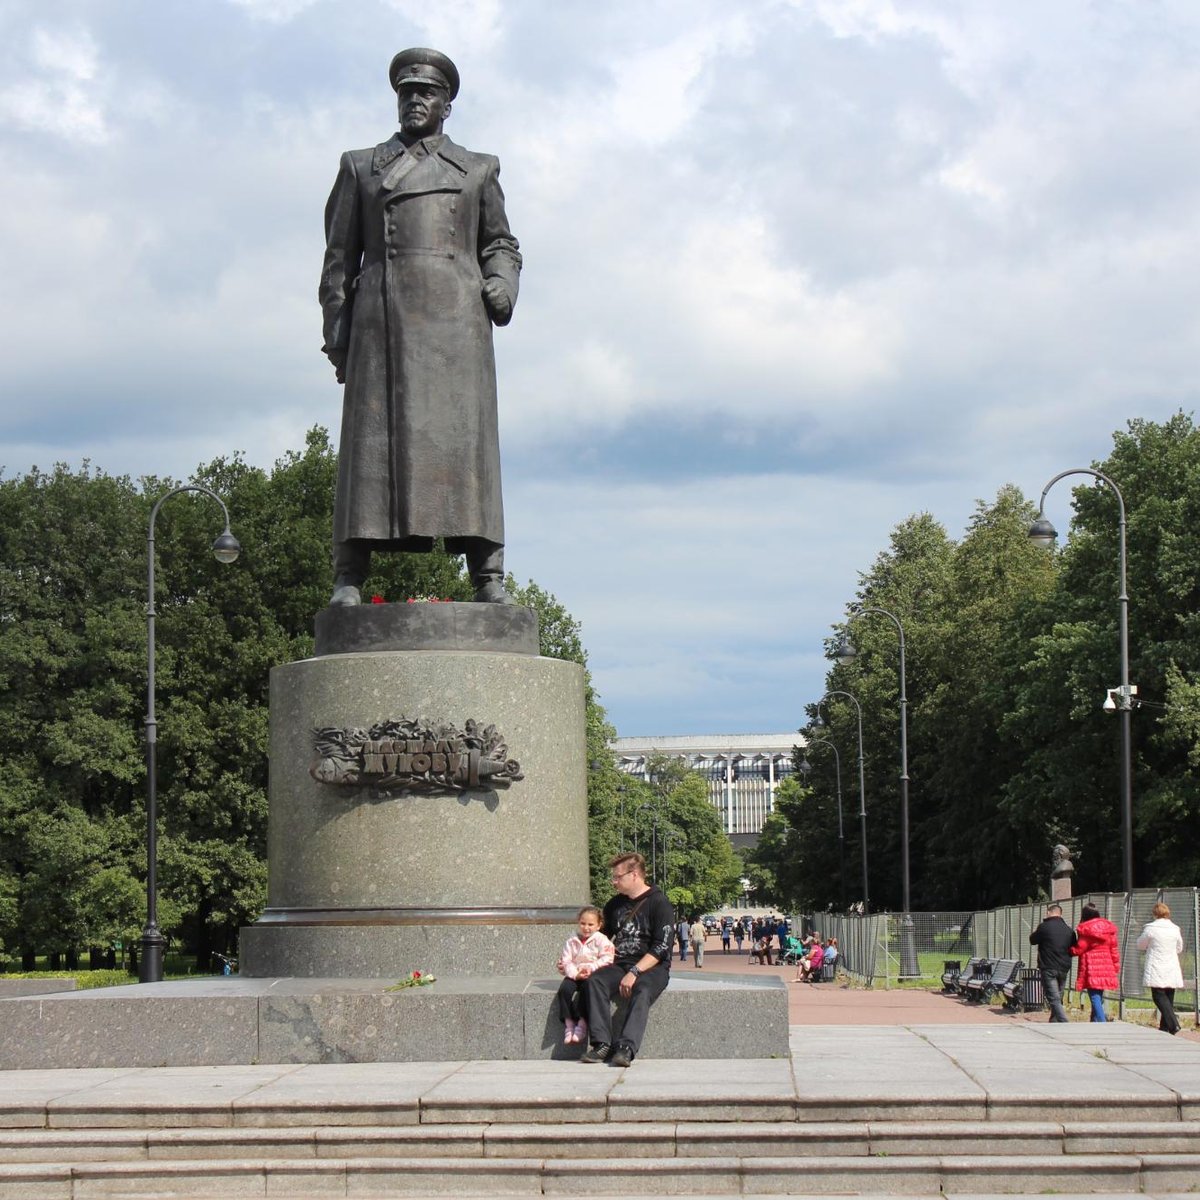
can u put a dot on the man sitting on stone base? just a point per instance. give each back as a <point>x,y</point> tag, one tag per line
<point>640,922</point>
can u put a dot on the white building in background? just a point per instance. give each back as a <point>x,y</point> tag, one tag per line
<point>742,770</point>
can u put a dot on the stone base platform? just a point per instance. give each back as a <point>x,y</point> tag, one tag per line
<point>238,1020</point>
<point>33,987</point>
<point>485,942</point>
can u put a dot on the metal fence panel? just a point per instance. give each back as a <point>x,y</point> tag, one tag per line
<point>884,947</point>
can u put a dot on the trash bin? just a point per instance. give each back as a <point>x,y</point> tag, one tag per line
<point>1032,997</point>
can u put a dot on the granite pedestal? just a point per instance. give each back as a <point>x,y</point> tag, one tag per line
<point>376,879</point>
<point>33,987</point>
<point>234,1020</point>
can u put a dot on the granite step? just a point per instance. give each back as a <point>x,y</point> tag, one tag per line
<point>639,1140</point>
<point>1088,1174</point>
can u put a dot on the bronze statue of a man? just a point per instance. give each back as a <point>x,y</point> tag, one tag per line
<point>419,264</point>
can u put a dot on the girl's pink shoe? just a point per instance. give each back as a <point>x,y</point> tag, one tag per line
<point>568,1033</point>
<point>581,1031</point>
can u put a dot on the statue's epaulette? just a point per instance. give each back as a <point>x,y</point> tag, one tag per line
<point>385,152</point>
<point>455,155</point>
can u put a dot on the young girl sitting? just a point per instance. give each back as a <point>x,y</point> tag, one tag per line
<point>580,957</point>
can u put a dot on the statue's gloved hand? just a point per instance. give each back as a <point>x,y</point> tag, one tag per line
<point>499,302</point>
<point>338,358</point>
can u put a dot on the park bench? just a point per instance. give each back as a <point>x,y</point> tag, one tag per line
<point>1004,970</point>
<point>976,968</point>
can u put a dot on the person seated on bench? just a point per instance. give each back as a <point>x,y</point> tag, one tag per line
<point>810,964</point>
<point>831,952</point>
<point>641,923</point>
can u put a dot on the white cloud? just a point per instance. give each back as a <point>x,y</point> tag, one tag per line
<point>59,93</point>
<point>471,27</point>
<point>894,254</point>
<point>274,11</point>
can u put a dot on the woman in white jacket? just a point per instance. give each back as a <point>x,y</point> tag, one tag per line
<point>1162,942</point>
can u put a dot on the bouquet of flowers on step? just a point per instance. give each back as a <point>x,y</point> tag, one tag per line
<point>416,979</point>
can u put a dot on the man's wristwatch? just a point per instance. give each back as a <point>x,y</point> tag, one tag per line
<point>635,971</point>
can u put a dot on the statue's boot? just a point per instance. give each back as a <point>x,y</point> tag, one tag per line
<point>351,564</point>
<point>485,566</point>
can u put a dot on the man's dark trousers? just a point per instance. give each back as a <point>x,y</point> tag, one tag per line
<point>1053,986</point>
<point>603,987</point>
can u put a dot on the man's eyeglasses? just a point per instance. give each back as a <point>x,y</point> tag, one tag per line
<point>617,876</point>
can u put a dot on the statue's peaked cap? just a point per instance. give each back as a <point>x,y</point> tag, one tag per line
<point>421,65</point>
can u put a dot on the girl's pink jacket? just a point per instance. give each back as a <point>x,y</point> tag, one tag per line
<point>597,951</point>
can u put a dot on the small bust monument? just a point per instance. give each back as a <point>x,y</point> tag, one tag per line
<point>1061,874</point>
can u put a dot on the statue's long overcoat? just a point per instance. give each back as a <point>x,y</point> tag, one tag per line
<point>410,236</point>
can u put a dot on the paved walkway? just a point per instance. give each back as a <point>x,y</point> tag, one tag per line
<point>844,1004</point>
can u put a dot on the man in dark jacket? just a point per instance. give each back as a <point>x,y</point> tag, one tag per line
<point>419,265</point>
<point>1054,939</point>
<point>640,922</point>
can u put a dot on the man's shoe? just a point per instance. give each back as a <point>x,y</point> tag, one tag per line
<point>596,1054</point>
<point>623,1055</point>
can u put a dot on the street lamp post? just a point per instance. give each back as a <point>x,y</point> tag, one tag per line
<point>226,549</point>
<point>1044,534</point>
<point>846,653</point>
<point>862,790</point>
<point>837,761</point>
<point>653,840</point>
<point>670,838</point>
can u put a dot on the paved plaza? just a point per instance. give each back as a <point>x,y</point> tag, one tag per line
<point>1018,1071</point>
<point>843,1003</point>
<point>910,1092</point>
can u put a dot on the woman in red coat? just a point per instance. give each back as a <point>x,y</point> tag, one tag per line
<point>1099,958</point>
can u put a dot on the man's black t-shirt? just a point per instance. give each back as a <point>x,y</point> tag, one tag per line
<point>643,925</point>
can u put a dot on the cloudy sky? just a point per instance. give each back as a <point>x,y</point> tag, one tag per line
<point>795,269</point>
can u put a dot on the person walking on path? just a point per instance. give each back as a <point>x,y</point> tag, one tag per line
<point>641,923</point>
<point>1099,959</point>
<point>683,929</point>
<point>698,934</point>
<point>1162,943</point>
<point>1054,939</point>
<point>726,934</point>
<point>739,934</point>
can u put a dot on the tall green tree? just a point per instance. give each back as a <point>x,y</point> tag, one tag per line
<point>790,868</point>
<point>1068,777</point>
<point>908,579</point>
<point>560,635</point>
<point>696,861</point>
<point>73,678</point>
<point>1010,653</point>
<point>973,849</point>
